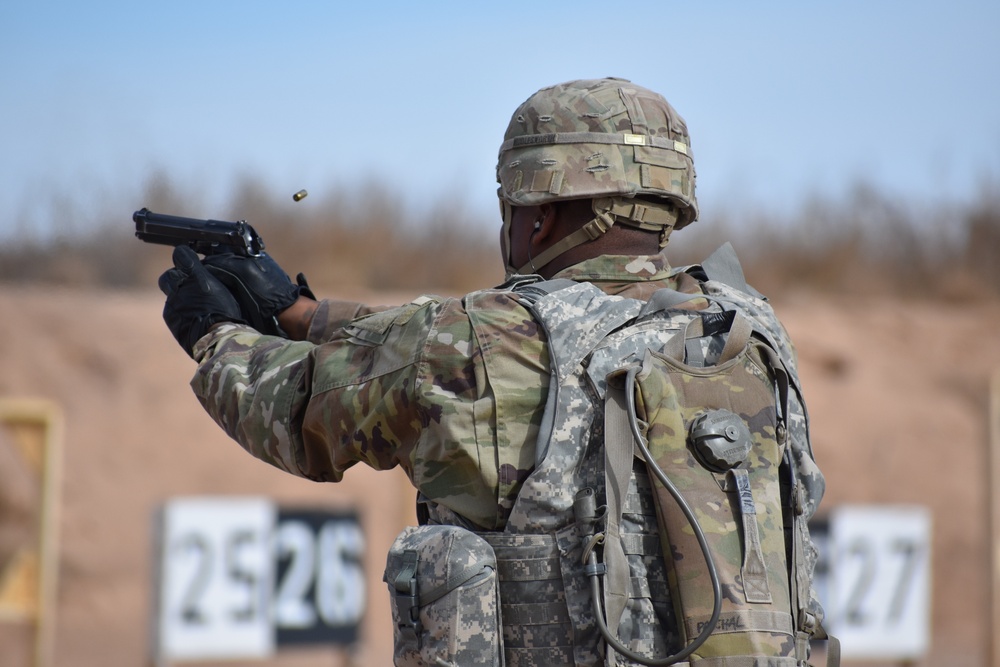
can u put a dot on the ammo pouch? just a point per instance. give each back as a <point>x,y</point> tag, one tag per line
<point>445,603</point>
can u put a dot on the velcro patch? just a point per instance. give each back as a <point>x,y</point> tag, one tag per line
<point>375,327</point>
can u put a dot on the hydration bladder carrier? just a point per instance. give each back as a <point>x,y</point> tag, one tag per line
<point>713,435</point>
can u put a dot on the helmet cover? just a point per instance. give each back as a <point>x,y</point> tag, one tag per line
<point>596,138</point>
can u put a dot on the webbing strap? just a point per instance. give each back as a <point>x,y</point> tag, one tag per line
<point>590,231</point>
<point>529,569</point>
<point>675,347</point>
<point>543,287</point>
<point>753,572</point>
<point>797,580</point>
<point>619,449</point>
<point>736,339</point>
<point>643,214</point>
<point>536,613</point>
<point>739,336</point>
<point>832,646</point>
<point>647,215</point>
<point>665,299</point>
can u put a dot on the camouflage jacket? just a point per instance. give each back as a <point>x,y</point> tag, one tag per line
<point>407,386</point>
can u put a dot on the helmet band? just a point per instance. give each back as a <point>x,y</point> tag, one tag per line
<point>625,139</point>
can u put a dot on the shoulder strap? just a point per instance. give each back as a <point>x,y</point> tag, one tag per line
<point>619,452</point>
<point>576,317</point>
<point>531,291</point>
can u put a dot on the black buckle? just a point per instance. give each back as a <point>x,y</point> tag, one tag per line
<point>408,598</point>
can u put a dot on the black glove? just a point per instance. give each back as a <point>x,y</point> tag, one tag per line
<point>260,286</point>
<point>195,299</point>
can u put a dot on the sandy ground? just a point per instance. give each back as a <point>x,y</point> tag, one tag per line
<point>898,393</point>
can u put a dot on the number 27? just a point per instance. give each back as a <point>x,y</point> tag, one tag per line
<point>864,550</point>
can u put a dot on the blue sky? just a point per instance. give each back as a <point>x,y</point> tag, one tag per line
<point>784,100</point>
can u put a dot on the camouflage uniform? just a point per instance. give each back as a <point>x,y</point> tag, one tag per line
<point>451,389</point>
<point>455,390</point>
<point>405,386</point>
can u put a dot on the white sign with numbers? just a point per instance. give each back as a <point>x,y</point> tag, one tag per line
<point>879,604</point>
<point>240,577</point>
<point>216,579</point>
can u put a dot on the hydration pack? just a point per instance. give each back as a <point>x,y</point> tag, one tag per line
<point>665,520</point>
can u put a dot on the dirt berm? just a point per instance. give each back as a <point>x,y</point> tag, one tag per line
<point>897,391</point>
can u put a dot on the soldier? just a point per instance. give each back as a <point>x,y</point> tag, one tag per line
<point>594,176</point>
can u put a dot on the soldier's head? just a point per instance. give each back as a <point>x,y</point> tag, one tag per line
<point>599,161</point>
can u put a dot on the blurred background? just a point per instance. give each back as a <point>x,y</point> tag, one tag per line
<point>851,152</point>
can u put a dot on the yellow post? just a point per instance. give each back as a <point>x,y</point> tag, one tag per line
<point>32,429</point>
<point>994,491</point>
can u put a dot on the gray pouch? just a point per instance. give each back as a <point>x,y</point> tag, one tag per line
<point>444,596</point>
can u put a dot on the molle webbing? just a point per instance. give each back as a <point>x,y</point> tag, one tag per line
<point>537,628</point>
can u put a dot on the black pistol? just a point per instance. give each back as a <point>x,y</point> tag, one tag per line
<point>206,237</point>
<point>211,237</point>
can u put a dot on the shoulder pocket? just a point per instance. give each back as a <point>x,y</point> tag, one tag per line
<point>374,328</point>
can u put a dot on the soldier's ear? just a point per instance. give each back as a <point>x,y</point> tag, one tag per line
<point>545,223</point>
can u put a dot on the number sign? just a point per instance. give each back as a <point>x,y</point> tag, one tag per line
<point>215,579</point>
<point>240,576</point>
<point>320,595</point>
<point>880,581</point>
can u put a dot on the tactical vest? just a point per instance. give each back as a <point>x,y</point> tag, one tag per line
<point>668,430</point>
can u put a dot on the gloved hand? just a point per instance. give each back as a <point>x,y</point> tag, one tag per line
<point>195,299</point>
<point>260,286</point>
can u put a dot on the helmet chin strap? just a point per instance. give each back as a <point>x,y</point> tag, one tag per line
<point>507,213</point>
<point>598,226</point>
<point>607,210</point>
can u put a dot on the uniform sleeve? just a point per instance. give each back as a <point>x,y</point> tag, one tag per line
<point>316,410</point>
<point>332,315</point>
<point>451,394</point>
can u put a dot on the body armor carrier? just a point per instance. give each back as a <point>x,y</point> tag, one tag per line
<point>664,521</point>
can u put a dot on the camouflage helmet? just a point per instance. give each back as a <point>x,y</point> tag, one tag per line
<point>597,138</point>
<point>608,140</point>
